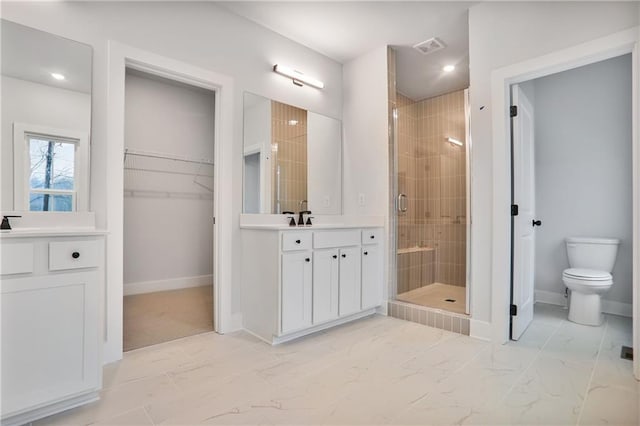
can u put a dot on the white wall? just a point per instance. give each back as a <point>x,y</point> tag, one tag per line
<point>167,235</point>
<point>583,167</point>
<point>366,137</point>
<point>33,103</point>
<point>501,34</point>
<point>198,33</point>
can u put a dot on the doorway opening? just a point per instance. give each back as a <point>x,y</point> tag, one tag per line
<point>168,210</point>
<point>572,179</point>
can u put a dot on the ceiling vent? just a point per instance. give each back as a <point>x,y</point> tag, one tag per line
<point>429,46</point>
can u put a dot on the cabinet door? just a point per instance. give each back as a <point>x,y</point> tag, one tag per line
<point>325,285</point>
<point>371,276</point>
<point>296,291</point>
<point>50,339</point>
<point>350,291</point>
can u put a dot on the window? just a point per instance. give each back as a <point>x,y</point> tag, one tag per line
<point>50,169</point>
<point>52,173</point>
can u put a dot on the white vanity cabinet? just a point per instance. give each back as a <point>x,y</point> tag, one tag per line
<point>372,258</point>
<point>299,281</point>
<point>51,339</point>
<point>296,291</point>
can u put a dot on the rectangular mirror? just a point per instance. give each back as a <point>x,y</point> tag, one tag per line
<point>292,159</point>
<point>46,120</point>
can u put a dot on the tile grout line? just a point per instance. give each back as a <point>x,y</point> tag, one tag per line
<point>528,367</point>
<point>593,371</point>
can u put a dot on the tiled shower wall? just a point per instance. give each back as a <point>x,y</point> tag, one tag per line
<point>431,172</point>
<point>289,156</point>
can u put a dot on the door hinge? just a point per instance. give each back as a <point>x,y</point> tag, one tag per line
<point>214,220</point>
<point>514,310</point>
<point>514,210</point>
<point>513,111</point>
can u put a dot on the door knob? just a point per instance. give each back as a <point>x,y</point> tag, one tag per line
<point>536,222</point>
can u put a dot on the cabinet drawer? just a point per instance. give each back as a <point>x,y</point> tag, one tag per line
<point>296,241</point>
<point>16,259</point>
<point>74,255</point>
<point>331,239</point>
<point>371,236</point>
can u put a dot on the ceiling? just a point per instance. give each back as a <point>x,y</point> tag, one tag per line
<point>32,55</point>
<point>345,30</point>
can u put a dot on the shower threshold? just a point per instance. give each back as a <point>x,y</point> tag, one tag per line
<point>447,297</point>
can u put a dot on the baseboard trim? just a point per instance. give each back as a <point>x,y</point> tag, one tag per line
<point>480,330</point>
<point>550,297</point>
<point>608,306</point>
<point>165,285</point>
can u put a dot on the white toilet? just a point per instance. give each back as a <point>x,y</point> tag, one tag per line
<point>591,261</point>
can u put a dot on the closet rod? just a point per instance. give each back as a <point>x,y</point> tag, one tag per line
<point>127,151</point>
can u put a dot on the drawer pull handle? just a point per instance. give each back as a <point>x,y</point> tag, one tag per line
<point>75,255</point>
<point>372,237</point>
<point>344,255</point>
<point>307,260</point>
<point>335,256</point>
<point>298,241</point>
<point>366,253</point>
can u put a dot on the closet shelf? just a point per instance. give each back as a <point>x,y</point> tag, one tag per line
<point>165,156</point>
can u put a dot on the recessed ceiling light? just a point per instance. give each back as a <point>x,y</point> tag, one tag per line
<point>448,68</point>
<point>57,76</point>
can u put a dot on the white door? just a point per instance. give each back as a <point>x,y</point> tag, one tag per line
<point>371,276</point>
<point>296,291</point>
<point>523,234</point>
<point>350,287</point>
<point>325,285</point>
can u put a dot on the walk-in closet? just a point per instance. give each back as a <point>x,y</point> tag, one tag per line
<point>168,210</point>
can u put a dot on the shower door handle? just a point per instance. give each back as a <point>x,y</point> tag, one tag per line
<point>402,203</point>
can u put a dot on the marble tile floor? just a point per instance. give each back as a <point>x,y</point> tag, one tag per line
<point>378,370</point>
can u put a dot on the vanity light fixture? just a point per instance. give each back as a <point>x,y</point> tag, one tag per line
<point>57,76</point>
<point>448,68</point>
<point>455,141</point>
<point>298,78</point>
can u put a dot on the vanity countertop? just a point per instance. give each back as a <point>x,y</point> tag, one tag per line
<point>321,227</point>
<point>50,232</point>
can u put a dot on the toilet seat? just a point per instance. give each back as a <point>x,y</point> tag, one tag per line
<point>586,275</point>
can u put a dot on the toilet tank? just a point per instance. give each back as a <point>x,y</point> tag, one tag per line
<point>592,253</point>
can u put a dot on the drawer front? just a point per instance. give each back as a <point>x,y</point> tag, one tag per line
<point>371,236</point>
<point>331,239</point>
<point>296,241</point>
<point>16,259</point>
<point>74,255</point>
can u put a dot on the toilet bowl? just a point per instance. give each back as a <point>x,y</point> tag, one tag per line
<point>591,261</point>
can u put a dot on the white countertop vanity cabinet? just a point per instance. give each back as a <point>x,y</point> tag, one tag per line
<point>296,291</point>
<point>299,281</point>
<point>51,324</point>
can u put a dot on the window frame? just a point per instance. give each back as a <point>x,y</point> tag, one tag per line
<point>22,133</point>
